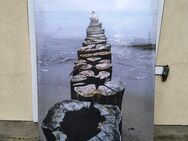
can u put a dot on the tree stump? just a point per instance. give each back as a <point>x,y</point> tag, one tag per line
<point>104,65</point>
<point>73,120</point>
<point>95,49</point>
<point>97,36</point>
<point>110,93</point>
<point>98,25</point>
<point>103,55</point>
<point>78,67</point>
<point>93,39</point>
<point>104,75</point>
<point>94,31</point>
<point>97,41</point>
<point>87,77</point>
<point>93,60</point>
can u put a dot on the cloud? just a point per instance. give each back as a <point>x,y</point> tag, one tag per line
<point>97,5</point>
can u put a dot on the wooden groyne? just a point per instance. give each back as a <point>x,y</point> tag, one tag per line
<point>94,113</point>
<point>92,73</point>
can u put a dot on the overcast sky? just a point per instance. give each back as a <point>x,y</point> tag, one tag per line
<point>96,5</point>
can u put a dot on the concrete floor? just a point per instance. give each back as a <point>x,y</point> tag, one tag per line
<point>171,133</point>
<point>137,111</point>
<point>28,131</point>
<point>18,131</point>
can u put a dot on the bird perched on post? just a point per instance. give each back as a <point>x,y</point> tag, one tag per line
<point>94,18</point>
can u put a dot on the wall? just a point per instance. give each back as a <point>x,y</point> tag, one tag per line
<point>15,69</point>
<point>171,100</point>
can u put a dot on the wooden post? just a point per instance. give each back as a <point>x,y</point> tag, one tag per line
<point>110,93</point>
<point>75,120</point>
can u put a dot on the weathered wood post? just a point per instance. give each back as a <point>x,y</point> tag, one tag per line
<point>73,120</point>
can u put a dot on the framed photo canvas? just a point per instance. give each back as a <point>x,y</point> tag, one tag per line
<point>95,68</point>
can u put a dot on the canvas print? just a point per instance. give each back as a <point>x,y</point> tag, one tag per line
<point>95,69</point>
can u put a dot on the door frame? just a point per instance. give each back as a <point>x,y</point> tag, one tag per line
<point>33,51</point>
<point>159,18</point>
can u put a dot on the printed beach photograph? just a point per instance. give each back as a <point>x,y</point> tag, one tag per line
<point>95,62</point>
